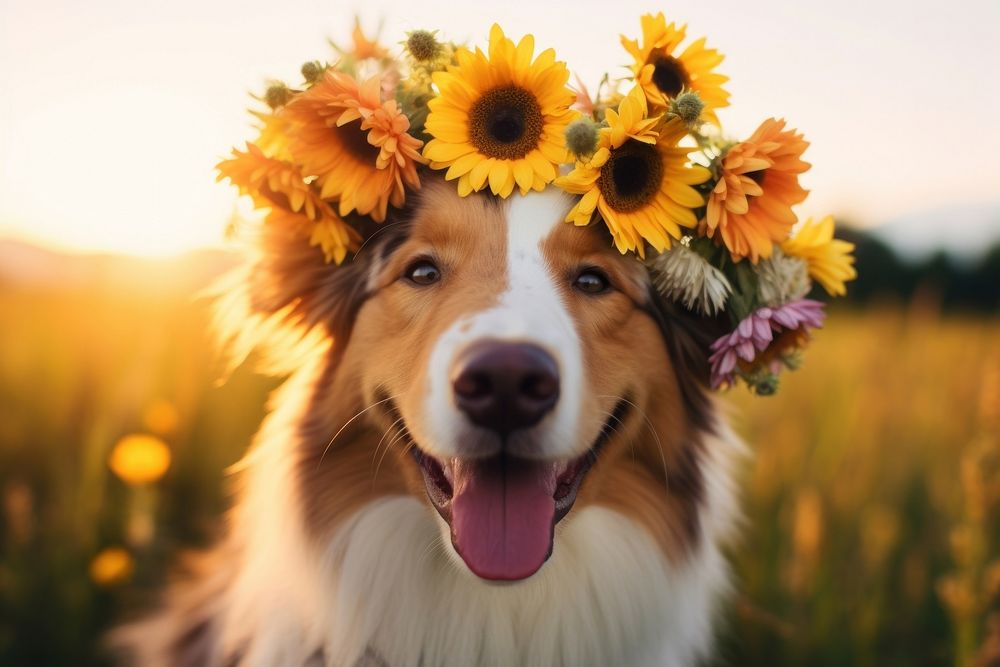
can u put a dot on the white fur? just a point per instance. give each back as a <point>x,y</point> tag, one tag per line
<point>386,585</point>
<point>530,309</point>
<point>606,597</point>
<point>271,606</point>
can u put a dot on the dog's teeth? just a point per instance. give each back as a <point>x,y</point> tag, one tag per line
<point>448,468</point>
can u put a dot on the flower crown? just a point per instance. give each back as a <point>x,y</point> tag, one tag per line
<point>711,218</point>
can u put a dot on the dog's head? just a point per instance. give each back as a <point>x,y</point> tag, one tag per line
<point>507,367</point>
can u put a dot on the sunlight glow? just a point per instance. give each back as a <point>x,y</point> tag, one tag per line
<point>112,184</point>
<point>112,115</point>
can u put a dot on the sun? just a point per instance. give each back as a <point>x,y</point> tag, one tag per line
<point>132,175</point>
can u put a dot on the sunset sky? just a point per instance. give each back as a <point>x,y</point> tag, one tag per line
<point>113,113</point>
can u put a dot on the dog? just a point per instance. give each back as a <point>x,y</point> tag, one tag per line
<point>496,446</point>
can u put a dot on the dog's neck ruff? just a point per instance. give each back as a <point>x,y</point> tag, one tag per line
<point>385,590</point>
<point>606,597</point>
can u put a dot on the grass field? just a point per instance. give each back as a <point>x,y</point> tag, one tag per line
<point>872,534</point>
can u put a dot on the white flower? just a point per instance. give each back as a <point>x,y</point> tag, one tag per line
<point>782,279</point>
<point>681,274</point>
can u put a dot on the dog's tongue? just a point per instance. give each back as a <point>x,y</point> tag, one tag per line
<point>502,513</point>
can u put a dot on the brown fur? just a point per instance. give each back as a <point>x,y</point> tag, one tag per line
<point>378,335</point>
<point>646,472</point>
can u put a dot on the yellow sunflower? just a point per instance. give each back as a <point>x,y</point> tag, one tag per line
<point>663,72</point>
<point>829,259</point>
<point>500,119</point>
<point>357,146</point>
<point>273,137</point>
<point>279,186</point>
<point>639,179</point>
<point>751,204</point>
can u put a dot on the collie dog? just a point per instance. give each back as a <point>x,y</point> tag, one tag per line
<point>500,449</point>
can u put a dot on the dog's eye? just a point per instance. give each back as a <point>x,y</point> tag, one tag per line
<point>423,272</point>
<point>592,281</point>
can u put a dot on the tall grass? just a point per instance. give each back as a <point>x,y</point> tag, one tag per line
<point>871,496</point>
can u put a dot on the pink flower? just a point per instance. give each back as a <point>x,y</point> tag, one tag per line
<point>757,331</point>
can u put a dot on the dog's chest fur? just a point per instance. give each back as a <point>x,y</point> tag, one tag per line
<point>607,597</point>
<point>385,588</point>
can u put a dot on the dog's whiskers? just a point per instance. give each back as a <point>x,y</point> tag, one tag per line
<point>631,441</point>
<point>433,546</point>
<point>403,432</point>
<point>382,439</point>
<point>348,423</point>
<point>371,238</point>
<point>652,431</point>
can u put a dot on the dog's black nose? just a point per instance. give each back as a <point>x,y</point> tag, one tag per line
<point>505,386</point>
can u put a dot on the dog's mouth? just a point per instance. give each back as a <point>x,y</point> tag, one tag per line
<point>503,510</point>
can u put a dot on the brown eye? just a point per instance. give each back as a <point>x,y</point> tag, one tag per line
<point>592,281</point>
<point>423,272</point>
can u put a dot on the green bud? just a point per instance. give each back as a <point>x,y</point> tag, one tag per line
<point>312,71</point>
<point>581,137</point>
<point>705,247</point>
<point>792,359</point>
<point>688,106</point>
<point>422,45</point>
<point>766,385</point>
<point>277,95</point>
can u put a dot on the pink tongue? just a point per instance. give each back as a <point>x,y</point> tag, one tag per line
<point>501,516</point>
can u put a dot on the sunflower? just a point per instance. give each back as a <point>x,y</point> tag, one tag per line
<point>663,73</point>
<point>279,186</point>
<point>273,137</point>
<point>500,118</point>
<point>751,204</point>
<point>829,259</point>
<point>639,179</point>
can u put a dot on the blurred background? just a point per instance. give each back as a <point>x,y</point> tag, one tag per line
<point>872,533</point>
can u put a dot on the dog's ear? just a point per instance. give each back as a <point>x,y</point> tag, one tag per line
<point>286,298</point>
<point>688,336</point>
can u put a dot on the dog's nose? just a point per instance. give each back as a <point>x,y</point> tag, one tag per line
<point>505,386</point>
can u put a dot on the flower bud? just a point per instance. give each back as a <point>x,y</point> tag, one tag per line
<point>688,106</point>
<point>422,45</point>
<point>581,137</point>
<point>277,95</point>
<point>766,385</point>
<point>312,71</point>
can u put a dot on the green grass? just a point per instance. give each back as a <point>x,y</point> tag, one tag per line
<point>871,496</point>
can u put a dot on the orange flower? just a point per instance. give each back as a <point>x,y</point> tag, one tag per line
<point>270,182</point>
<point>273,137</point>
<point>279,186</point>
<point>356,145</point>
<point>751,205</point>
<point>364,47</point>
